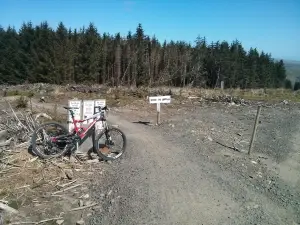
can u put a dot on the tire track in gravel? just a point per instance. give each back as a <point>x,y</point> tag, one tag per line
<point>158,184</point>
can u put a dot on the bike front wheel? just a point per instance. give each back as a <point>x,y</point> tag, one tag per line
<point>110,144</point>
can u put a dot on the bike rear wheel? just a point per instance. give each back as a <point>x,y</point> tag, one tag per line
<point>41,141</point>
<point>106,142</point>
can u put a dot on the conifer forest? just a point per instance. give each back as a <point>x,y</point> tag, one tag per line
<point>64,55</point>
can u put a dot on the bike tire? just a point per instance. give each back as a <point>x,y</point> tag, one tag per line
<point>36,151</point>
<point>105,157</point>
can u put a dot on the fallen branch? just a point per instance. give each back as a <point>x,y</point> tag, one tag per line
<point>8,208</point>
<point>17,223</point>
<point>6,143</point>
<point>226,146</point>
<point>25,186</point>
<point>43,115</point>
<point>19,122</point>
<point>68,188</point>
<point>47,220</point>
<point>64,185</point>
<point>39,222</point>
<point>8,163</point>
<point>83,207</point>
<point>22,144</point>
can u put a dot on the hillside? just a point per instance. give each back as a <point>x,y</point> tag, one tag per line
<point>292,69</point>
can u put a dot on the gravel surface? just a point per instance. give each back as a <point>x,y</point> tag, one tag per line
<point>181,173</point>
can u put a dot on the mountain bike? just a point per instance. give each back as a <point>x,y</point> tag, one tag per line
<point>60,141</point>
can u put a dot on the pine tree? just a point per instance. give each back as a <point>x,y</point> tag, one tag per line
<point>41,54</point>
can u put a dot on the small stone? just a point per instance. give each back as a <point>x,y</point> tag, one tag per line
<point>89,214</point>
<point>87,203</point>
<point>209,138</point>
<point>42,99</point>
<point>86,196</point>
<point>80,203</point>
<point>80,222</point>
<point>59,222</point>
<point>69,174</point>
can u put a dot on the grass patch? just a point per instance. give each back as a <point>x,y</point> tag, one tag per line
<point>18,92</point>
<point>271,95</point>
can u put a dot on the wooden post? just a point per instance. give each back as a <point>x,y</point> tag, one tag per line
<point>158,113</point>
<point>254,129</point>
<point>222,85</point>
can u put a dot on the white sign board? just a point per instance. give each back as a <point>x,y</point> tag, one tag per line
<point>160,99</point>
<point>87,110</point>
<point>102,103</point>
<point>77,112</point>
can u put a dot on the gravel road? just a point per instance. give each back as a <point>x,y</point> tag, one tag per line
<point>176,173</point>
<point>158,183</point>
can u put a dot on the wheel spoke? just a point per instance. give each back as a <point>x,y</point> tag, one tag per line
<point>43,145</point>
<point>111,149</point>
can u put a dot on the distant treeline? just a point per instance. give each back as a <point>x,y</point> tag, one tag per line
<point>42,54</point>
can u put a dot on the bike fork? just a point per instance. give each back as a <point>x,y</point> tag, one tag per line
<point>108,138</point>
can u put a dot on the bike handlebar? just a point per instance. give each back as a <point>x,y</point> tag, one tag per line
<point>101,108</point>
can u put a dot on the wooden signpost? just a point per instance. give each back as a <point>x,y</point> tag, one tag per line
<point>85,109</point>
<point>158,100</point>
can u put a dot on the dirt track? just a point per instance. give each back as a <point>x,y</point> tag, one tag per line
<point>177,174</point>
<point>159,184</point>
<point>170,176</point>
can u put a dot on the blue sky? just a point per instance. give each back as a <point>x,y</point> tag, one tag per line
<point>269,25</point>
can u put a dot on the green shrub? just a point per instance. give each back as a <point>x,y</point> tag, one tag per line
<point>288,84</point>
<point>297,86</point>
